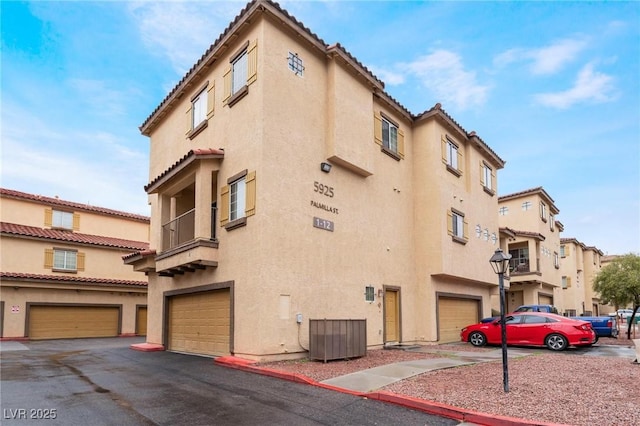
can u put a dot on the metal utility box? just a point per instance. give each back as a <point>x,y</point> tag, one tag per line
<point>331,339</point>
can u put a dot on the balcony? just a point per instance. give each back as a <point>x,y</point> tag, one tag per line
<point>183,250</point>
<point>522,266</point>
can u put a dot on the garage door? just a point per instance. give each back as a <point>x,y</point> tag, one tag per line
<point>141,321</point>
<point>453,315</point>
<point>61,322</point>
<point>545,300</point>
<point>200,323</point>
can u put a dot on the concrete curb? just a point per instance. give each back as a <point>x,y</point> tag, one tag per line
<point>430,407</point>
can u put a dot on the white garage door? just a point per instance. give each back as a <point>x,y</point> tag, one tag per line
<point>200,323</point>
<point>453,315</point>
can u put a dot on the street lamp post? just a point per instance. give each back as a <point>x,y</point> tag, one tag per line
<point>500,264</point>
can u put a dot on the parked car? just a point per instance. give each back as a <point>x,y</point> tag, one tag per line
<point>532,329</point>
<point>528,308</point>
<point>625,313</point>
<point>603,326</point>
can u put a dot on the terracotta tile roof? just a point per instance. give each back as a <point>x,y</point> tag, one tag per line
<point>532,191</point>
<point>71,237</point>
<point>56,202</point>
<point>19,276</point>
<point>194,154</point>
<point>516,232</point>
<point>141,254</point>
<point>438,111</point>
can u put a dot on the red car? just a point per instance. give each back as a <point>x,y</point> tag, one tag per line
<point>532,329</point>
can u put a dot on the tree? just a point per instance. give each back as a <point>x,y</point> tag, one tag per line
<point>619,283</point>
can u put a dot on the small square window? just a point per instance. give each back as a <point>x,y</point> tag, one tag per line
<point>295,64</point>
<point>526,205</point>
<point>369,294</point>
<point>503,211</point>
<point>62,219</point>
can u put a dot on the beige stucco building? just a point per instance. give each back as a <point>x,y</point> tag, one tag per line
<point>287,185</point>
<point>532,235</point>
<point>580,264</point>
<point>61,269</point>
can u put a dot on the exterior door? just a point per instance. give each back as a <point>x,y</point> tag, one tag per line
<point>391,316</point>
<point>141,321</point>
<point>514,299</point>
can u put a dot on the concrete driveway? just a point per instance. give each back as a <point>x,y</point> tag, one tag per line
<point>103,382</point>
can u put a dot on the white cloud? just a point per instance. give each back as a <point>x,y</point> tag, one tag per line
<point>389,77</point>
<point>182,31</point>
<point>544,60</point>
<point>442,72</point>
<point>590,86</point>
<point>95,95</point>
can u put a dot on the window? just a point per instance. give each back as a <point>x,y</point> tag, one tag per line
<point>556,260</point>
<point>552,222</point>
<point>198,109</point>
<point>62,219</point>
<point>487,177</point>
<point>388,135</point>
<point>543,211</point>
<point>65,260</point>
<point>534,319</point>
<point>563,251</point>
<point>295,64</point>
<point>503,211</point>
<point>237,199</point>
<point>368,294</point>
<point>526,205</point>
<point>241,72</point>
<point>452,154</point>
<point>457,226</point>
<point>566,282</point>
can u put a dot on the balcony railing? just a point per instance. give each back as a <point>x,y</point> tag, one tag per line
<point>519,265</point>
<point>181,230</point>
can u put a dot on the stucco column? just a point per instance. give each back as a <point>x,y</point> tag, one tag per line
<point>204,198</point>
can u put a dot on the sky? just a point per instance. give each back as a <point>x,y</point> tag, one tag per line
<point>552,87</point>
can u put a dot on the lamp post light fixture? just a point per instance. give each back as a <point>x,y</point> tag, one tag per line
<point>500,264</point>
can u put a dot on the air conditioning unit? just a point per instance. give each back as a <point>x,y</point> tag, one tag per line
<point>331,339</point>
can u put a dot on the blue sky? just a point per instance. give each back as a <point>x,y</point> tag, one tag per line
<point>552,87</point>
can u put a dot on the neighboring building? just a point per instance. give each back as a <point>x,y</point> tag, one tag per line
<point>580,266</point>
<point>61,269</point>
<point>532,235</point>
<point>287,185</point>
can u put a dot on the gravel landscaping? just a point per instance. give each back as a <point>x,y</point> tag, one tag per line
<point>579,390</point>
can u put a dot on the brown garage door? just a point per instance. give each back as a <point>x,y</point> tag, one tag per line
<point>200,323</point>
<point>545,300</point>
<point>453,315</point>
<point>141,321</point>
<point>61,322</point>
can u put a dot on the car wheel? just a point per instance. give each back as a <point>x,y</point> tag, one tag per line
<point>556,342</point>
<point>477,339</point>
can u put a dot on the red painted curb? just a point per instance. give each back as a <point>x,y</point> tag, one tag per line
<point>430,407</point>
<point>147,347</point>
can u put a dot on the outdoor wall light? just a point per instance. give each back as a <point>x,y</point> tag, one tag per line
<point>325,167</point>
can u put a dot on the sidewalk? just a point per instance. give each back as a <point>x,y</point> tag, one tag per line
<point>367,382</point>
